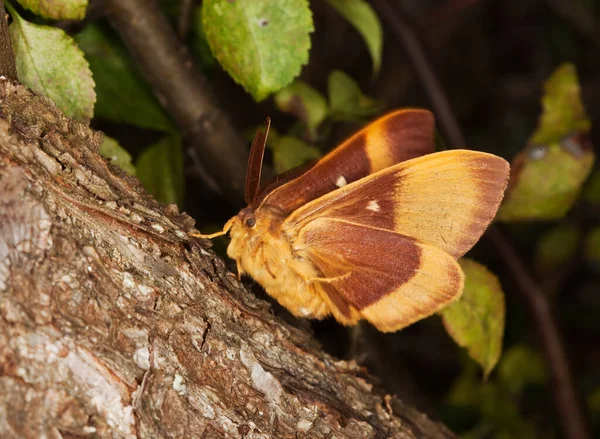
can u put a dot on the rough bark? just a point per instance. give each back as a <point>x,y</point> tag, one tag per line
<point>113,323</point>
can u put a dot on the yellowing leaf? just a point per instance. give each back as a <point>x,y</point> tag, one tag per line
<point>563,112</point>
<point>57,9</point>
<point>304,102</point>
<point>346,101</point>
<point>123,94</point>
<point>546,180</point>
<point>116,154</point>
<point>547,176</point>
<point>289,152</point>
<point>50,63</point>
<point>476,320</point>
<point>160,169</point>
<point>262,44</point>
<point>363,17</point>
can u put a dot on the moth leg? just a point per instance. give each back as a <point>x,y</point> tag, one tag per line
<point>239,270</point>
<point>262,248</point>
<point>329,280</point>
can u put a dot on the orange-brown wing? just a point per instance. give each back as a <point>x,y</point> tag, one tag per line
<point>390,279</point>
<point>446,199</point>
<point>398,136</point>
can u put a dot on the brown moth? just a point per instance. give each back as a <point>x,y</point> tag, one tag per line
<point>373,229</point>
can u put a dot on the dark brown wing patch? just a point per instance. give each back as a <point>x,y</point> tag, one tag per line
<point>370,262</point>
<point>396,137</point>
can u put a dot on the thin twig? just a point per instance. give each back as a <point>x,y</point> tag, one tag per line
<point>409,41</point>
<point>185,18</point>
<point>182,89</point>
<point>7,58</point>
<point>565,397</point>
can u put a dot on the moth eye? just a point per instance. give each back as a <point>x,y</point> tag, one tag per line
<point>251,222</point>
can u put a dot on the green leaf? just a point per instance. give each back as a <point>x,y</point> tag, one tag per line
<point>57,9</point>
<point>546,180</point>
<point>262,44</point>
<point>160,169</point>
<point>547,176</point>
<point>304,102</point>
<point>50,63</point>
<point>521,365</point>
<point>563,112</point>
<point>346,101</point>
<point>476,320</point>
<point>556,247</point>
<point>363,17</point>
<point>123,94</point>
<point>116,154</point>
<point>289,152</point>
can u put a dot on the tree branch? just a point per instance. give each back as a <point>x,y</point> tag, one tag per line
<point>182,89</point>
<point>115,324</point>
<point>8,68</point>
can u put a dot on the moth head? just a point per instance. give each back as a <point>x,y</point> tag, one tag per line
<point>245,221</point>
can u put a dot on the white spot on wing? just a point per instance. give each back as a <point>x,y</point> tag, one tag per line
<point>374,206</point>
<point>341,181</point>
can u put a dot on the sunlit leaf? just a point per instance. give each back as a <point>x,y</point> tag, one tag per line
<point>346,101</point>
<point>262,44</point>
<point>160,169</point>
<point>304,102</point>
<point>289,152</point>
<point>57,9</point>
<point>476,320</point>
<point>116,154</point>
<point>123,95</point>
<point>363,17</point>
<point>547,176</point>
<point>50,63</point>
<point>556,247</point>
<point>521,366</point>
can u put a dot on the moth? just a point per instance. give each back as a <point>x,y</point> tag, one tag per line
<point>372,230</point>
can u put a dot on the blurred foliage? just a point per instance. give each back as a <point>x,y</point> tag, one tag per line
<point>160,169</point>
<point>556,247</point>
<point>346,100</point>
<point>111,150</point>
<point>495,402</point>
<point>328,72</point>
<point>362,16</point>
<point>123,96</point>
